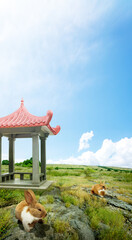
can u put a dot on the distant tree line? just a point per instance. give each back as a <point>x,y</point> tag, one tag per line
<point>115,169</point>
<point>25,163</point>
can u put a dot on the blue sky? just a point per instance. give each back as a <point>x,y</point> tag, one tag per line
<point>75,58</point>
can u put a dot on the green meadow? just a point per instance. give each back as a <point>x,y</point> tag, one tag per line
<point>74,184</point>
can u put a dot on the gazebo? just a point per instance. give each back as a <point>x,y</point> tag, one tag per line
<point>22,124</point>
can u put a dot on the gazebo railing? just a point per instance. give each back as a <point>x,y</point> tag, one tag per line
<point>22,175</point>
<point>10,176</point>
<point>7,176</point>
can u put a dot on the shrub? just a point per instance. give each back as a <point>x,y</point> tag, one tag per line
<point>56,168</point>
<point>88,171</point>
<point>5,162</point>
<point>27,163</point>
<point>49,168</point>
<point>18,164</point>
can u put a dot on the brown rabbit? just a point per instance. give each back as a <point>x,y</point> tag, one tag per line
<point>99,189</point>
<point>29,211</point>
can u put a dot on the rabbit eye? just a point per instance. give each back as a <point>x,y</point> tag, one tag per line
<point>39,209</point>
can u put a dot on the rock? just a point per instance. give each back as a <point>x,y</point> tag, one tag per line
<point>119,204</point>
<point>74,215</point>
<point>84,231</point>
<point>77,219</point>
<point>103,226</point>
<point>40,231</point>
<point>112,200</point>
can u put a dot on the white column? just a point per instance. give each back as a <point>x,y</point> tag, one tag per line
<point>35,154</point>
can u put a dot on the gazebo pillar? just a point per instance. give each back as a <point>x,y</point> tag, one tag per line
<point>11,154</point>
<point>0,156</point>
<point>43,154</point>
<point>35,155</point>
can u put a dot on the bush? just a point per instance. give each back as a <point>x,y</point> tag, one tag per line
<point>88,172</point>
<point>5,162</point>
<point>26,163</point>
<point>49,168</point>
<point>56,168</point>
<point>18,164</point>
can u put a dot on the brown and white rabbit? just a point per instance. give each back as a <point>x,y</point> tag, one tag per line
<point>29,211</point>
<point>99,189</point>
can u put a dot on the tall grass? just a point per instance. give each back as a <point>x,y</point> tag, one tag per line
<point>124,177</point>
<point>63,227</point>
<point>9,197</point>
<point>113,220</point>
<point>6,223</point>
<point>69,199</point>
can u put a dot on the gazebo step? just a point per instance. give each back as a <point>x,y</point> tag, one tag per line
<point>19,184</point>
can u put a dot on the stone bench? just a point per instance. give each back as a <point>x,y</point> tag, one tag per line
<point>7,176</point>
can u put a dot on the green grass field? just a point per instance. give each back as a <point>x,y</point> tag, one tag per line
<point>65,177</point>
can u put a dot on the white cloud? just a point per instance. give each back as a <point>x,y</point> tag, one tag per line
<point>115,154</point>
<point>83,142</point>
<point>118,154</point>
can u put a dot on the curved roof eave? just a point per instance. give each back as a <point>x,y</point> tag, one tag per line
<point>22,118</point>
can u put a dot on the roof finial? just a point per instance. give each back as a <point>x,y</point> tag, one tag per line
<point>22,102</point>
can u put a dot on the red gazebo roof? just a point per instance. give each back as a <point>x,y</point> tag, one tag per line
<point>22,118</point>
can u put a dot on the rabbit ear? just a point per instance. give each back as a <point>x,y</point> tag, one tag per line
<point>30,197</point>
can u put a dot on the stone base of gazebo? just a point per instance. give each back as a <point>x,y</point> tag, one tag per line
<point>25,184</point>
